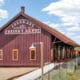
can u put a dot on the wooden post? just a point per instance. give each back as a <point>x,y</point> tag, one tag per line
<point>59,54</point>
<point>63,52</point>
<point>52,53</point>
<point>41,43</point>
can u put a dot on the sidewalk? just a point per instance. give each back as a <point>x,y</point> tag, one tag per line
<point>37,73</point>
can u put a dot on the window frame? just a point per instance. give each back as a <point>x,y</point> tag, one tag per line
<point>13,59</point>
<point>1,54</point>
<point>31,54</point>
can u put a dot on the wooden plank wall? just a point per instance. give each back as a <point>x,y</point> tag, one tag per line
<point>22,42</point>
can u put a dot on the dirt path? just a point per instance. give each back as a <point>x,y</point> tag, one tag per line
<point>7,73</point>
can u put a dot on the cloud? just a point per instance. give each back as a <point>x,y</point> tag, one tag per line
<point>53,25</point>
<point>3,12</point>
<point>1,2</point>
<point>75,28</point>
<point>68,12</point>
<point>76,38</point>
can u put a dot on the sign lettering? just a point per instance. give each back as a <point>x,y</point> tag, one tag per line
<point>22,26</point>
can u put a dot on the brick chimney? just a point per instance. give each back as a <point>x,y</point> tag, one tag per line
<point>22,9</point>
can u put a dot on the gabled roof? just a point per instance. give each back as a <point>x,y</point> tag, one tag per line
<point>52,31</point>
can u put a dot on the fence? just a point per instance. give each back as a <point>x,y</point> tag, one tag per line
<point>60,71</point>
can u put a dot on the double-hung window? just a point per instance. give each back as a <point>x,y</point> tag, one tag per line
<point>33,54</point>
<point>1,54</point>
<point>15,54</point>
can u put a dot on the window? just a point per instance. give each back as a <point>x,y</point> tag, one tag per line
<point>33,54</point>
<point>15,54</point>
<point>1,54</point>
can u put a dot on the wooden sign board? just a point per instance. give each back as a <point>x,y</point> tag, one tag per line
<point>22,26</point>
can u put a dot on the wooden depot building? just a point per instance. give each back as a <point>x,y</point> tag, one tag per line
<point>18,34</point>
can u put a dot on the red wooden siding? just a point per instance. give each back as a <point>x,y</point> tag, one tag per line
<point>22,42</point>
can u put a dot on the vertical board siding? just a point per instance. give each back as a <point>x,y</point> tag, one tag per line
<point>22,42</point>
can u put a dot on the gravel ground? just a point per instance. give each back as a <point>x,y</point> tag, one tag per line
<point>10,72</point>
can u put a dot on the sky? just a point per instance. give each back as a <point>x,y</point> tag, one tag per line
<point>63,15</point>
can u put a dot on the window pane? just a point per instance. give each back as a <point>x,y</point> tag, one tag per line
<point>1,55</point>
<point>15,54</point>
<point>33,54</point>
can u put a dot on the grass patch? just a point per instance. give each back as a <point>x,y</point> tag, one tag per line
<point>63,75</point>
<point>70,74</point>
